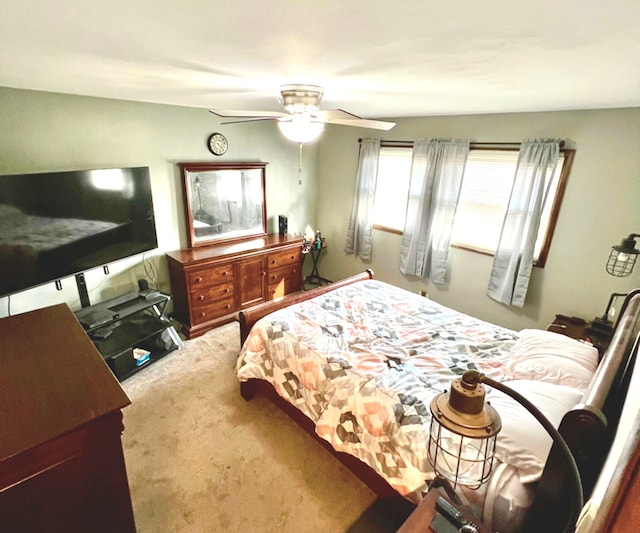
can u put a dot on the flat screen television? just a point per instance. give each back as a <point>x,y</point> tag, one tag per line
<point>59,224</point>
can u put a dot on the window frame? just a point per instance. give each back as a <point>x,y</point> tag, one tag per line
<point>568,153</point>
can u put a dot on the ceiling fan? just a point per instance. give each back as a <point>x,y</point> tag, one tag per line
<point>303,120</point>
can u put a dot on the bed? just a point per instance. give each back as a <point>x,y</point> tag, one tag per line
<point>356,363</point>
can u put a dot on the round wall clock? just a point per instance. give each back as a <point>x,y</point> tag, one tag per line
<point>217,144</point>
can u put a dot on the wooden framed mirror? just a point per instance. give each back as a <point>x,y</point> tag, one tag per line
<point>224,202</point>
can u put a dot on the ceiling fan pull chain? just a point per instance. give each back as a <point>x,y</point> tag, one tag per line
<point>300,165</point>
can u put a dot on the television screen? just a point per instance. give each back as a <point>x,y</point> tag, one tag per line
<point>57,224</point>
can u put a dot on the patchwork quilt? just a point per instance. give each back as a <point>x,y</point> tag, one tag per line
<point>364,361</point>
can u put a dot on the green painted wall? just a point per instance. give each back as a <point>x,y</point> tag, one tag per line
<point>45,132</point>
<point>601,205</point>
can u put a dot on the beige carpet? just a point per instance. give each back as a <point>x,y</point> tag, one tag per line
<point>200,458</point>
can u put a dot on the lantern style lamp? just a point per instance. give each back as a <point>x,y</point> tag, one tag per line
<point>622,260</point>
<point>623,257</point>
<point>462,436</point>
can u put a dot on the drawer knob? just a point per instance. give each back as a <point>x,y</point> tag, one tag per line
<point>225,273</point>
<point>203,314</point>
<point>227,306</point>
<point>198,280</point>
<point>201,297</point>
<point>227,290</point>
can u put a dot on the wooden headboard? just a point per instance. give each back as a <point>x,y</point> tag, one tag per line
<point>590,427</point>
<point>248,317</point>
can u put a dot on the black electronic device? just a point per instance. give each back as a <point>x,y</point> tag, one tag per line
<point>449,519</point>
<point>283,225</point>
<point>149,294</point>
<point>95,318</point>
<point>59,224</point>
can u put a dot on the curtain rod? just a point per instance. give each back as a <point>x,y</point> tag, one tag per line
<point>473,143</point>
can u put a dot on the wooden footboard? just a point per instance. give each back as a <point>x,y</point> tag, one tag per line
<point>366,474</point>
<point>248,317</point>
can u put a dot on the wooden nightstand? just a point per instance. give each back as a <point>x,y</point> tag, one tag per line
<point>419,520</point>
<point>578,328</point>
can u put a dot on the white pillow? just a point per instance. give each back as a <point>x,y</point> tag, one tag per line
<point>552,357</point>
<point>523,442</point>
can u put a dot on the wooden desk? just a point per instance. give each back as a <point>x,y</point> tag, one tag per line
<point>61,461</point>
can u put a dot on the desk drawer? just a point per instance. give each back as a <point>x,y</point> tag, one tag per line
<point>283,258</point>
<point>209,295</point>
<point>210,276</point>
<point>214,310</point>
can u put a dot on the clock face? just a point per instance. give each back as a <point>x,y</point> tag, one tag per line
<point>218,144</point>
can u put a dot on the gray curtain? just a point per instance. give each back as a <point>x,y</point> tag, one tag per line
<point>513,261</point>
<point>360,231</point>
<point>437,167</point>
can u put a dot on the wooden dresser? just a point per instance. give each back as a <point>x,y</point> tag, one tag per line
<point>210,284</point>
<point>61,462</point>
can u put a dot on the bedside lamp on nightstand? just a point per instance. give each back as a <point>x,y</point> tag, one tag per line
<point>462,437</point>
<point>602,324</point>
<point>463,434</point>
<point>622,260</point>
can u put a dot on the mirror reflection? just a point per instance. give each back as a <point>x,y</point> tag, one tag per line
<point>224,203</point>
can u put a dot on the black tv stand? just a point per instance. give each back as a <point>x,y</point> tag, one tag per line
<point>83,293</point>
<point>131,331</point>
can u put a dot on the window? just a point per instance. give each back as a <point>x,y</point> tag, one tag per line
<point>486,187</point>
<point>392,187</point>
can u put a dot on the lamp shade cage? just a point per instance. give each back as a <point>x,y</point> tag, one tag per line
<point>462,435</point>
<point>623,256</point>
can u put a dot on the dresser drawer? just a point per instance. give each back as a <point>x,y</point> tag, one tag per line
<point>210,276</point>
<point>288,273</point>
<point>212,283</point>
<point>209,295</point>
<point>283,258</point>
<point>283,281</point>
<point>211,311</point>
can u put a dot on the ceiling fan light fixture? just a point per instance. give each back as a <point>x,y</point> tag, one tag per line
<point>305,120</point>
<point>300,129</point>
<point>301,98</point>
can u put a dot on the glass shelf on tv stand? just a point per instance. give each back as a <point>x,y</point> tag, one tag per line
<point>135,320</point>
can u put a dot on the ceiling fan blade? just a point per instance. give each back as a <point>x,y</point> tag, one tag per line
<point>233,113</point>
<point>329,115</point>
<point>248,119</point>
<point>365,123</point>
<point>302,102</point>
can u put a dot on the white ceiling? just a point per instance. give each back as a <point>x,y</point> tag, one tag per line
<point>374,58</point>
